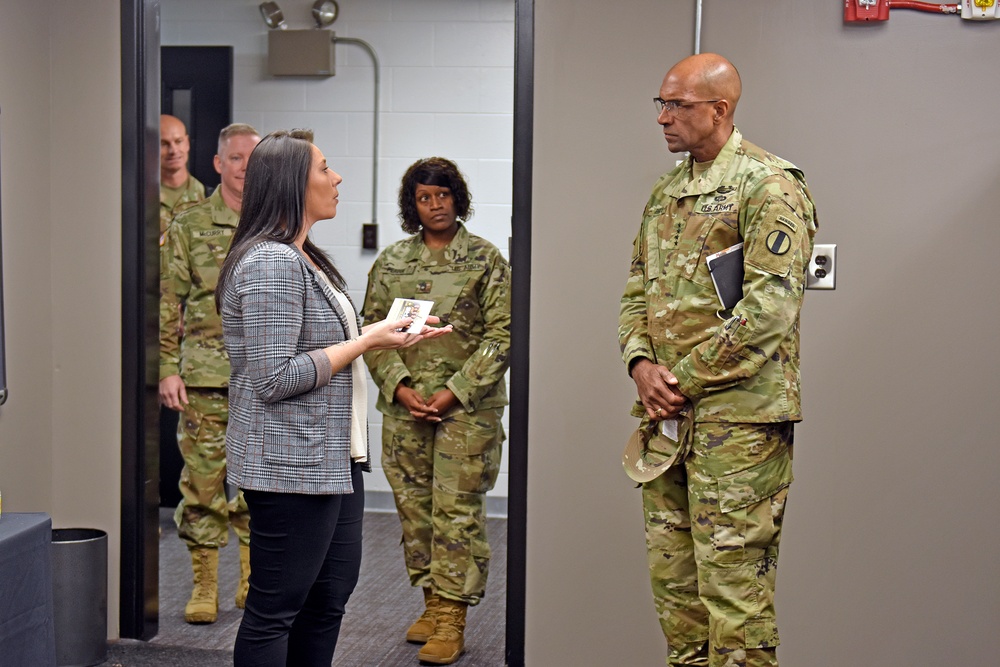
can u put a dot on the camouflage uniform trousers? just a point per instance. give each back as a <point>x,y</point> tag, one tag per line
<point>713,527</point>
<point>204,514</point>
<point>439,474</point>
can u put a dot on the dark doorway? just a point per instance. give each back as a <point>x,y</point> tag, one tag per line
<point>197,87</point>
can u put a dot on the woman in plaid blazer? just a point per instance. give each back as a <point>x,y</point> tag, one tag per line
<point>297,437</point>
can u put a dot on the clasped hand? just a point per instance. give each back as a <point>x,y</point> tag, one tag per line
<point>431,409</point>
<point>658,390</point>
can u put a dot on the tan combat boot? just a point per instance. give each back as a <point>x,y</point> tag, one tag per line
<point>447,642</point>
<point>203,607</point>
<point>422,629</point>
<point>244,587</point>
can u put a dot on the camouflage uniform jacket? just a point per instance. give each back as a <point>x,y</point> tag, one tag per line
<point>192,193</point>
<point>745,367</point>
<point>471,291</point>
<point>191,258</point>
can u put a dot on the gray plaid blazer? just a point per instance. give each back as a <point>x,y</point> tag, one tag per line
<point>289,421</point>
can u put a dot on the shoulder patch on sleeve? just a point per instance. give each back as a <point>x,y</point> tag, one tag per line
<point>773,247</point>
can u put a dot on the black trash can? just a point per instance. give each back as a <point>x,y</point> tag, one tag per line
<point>80,596</point>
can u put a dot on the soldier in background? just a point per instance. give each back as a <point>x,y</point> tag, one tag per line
<point>731,378</point>
<point>442,400</point>
<point>194,373</point>
<point>178,188</point>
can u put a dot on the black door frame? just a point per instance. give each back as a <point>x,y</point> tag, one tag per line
<point>520,258</point>
<point>140,62</point>
<point>140,290</point>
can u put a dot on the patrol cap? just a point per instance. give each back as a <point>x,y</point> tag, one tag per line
<point>648,453</point>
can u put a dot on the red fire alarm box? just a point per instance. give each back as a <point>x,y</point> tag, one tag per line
<point>866,10</point>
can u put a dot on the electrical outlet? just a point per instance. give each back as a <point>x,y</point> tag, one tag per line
<point>369,236</point>
<point>822,272</point>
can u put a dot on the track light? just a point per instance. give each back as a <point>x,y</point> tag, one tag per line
<point>272,15</point>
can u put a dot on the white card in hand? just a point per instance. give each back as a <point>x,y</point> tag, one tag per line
<point>418,310</point>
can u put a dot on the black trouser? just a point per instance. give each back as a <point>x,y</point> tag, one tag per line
<point>305,556</point>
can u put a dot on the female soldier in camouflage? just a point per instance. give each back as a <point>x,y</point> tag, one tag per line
<point>442,403</point>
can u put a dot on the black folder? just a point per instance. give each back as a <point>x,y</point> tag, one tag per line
<point>726,268</point>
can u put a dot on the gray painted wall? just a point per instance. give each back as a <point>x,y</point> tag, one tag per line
<point>890,531</point>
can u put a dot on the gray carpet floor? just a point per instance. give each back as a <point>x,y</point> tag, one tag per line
<point>382,607</point>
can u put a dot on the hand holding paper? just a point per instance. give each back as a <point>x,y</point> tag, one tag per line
<point>418,310</point>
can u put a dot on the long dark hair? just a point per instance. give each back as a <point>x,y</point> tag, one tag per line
<point>274,195</point>
<point>432,171</point>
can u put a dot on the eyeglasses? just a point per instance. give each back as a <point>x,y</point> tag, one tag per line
<point>672,106</point>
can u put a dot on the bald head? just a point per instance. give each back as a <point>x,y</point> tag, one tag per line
<point>171,124</point>
<point>710,77</point>
<point>174,149</point>
<point>704,90</point>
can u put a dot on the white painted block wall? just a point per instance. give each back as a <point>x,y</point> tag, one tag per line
<point>447,88</point>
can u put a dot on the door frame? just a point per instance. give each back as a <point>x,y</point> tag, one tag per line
<point>140,63</point>
<point>140,314</point>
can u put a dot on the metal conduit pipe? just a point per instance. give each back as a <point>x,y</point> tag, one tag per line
<point>371,52</point>
<point>697,28</point>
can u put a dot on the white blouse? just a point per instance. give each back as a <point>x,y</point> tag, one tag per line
<point>359,393</point>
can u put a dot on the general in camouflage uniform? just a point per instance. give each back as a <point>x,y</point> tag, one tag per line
<point>713,524</point>
<point>193,357</point>
<point>440,469</point>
